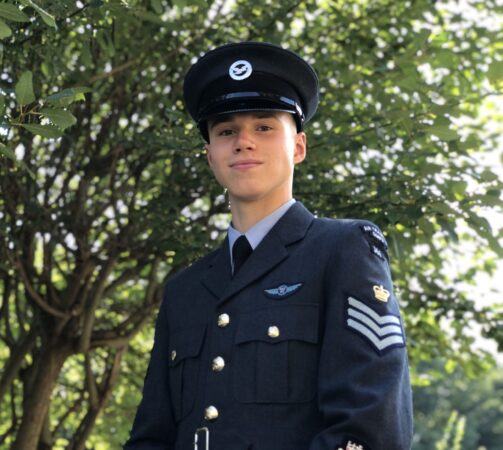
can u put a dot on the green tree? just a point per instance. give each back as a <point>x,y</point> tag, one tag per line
<point>469,408</point>
<point>105,189</point>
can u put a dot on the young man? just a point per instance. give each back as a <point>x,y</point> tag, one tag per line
<point>287,337</point>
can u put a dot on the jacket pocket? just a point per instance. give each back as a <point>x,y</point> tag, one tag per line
<point>276,355</point>
<point>185,347</point>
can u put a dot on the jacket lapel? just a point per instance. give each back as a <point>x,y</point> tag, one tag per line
<point>218,274</point>
<point>269,253</point>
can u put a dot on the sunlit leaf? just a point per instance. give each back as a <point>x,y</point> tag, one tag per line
<point>443,132</point>
<point>12,13</point>
<point>5,31</point>
<point>68,96</point>
<point>495,72</point>
<point>59,117</point>
<point>45,16</point>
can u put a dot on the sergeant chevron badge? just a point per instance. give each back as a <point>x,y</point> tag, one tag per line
<point>382,331</point>
<point>282,291</point>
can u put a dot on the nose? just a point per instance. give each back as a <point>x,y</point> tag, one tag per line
<point>244,141</point>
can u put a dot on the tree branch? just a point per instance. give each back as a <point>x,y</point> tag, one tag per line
<point>100,397</point>
<point>91,303</point>
<point>14,363</point>
<point>34,295</point>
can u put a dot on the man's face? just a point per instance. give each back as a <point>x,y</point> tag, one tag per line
<point>253,155</point>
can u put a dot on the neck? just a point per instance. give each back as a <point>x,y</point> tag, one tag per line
<point>245,215</point>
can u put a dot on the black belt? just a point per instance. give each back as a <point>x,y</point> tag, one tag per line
<point>202,439</point>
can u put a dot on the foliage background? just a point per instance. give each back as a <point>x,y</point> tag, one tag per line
<point>105,191</point>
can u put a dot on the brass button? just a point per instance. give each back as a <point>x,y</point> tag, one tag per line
<point>173,355</point>
<point>211,413</point>
<point>273,331</point>
<point>217,364</point>
<point>223,320</point>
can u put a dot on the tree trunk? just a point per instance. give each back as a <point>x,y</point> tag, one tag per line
<point>37,397</point>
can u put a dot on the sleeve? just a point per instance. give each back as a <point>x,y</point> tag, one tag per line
<point>364,392</point>
<point>154,425</point>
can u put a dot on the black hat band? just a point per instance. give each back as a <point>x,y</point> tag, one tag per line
<point>252,99</point>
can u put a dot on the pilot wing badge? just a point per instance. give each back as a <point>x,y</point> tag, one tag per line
<point>282,291</point>
<point>382,331</point>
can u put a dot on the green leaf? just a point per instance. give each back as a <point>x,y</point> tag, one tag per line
<point>443,132</point>
<point>495,72</point>
<point>5,31</point>
<point>409,83</point>
<point>442,208</point>
<point>180,3</point>
<point>420,40</point>
<point>45,16</point>
<point>490,200</point>
<point>150,17</point>
<point>459,189</point>
<point>12,13</point>
<point>157,6</point>
<point>488,175</point>
<point>446,58</point>
<point>24,89</point>
<point>68,96</point>
<point>59,117</point>
<point>85,54</point>
<point>47,131</point>
<point>2,104</point>
<point>8,153</point>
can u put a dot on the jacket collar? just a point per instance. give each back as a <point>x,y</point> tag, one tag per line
<point>273,249</point>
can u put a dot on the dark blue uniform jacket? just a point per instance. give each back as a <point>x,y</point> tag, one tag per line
<point>302,350</point>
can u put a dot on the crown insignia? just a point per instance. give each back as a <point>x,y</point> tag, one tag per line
<point>380,293</point>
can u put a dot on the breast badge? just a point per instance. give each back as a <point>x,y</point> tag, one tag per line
<point>282,291</point>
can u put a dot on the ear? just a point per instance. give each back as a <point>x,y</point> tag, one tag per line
<point>208,154</point>
<point>300,147</point>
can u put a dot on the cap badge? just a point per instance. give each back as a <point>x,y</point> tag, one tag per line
<point>380,293</point>
<point>353,446</point>
<point>239,70</point>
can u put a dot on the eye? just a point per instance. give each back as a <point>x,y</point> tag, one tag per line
<point>225,132</point>
<point>264,128</point>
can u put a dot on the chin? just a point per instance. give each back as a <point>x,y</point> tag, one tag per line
<point>246,198</point>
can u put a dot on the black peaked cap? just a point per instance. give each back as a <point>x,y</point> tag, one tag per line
<point>250,76</point>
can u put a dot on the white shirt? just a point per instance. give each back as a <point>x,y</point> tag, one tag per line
<point>256,233</point>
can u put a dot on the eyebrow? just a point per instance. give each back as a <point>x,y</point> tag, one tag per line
<point>218,119</point>
<point>228,117</point>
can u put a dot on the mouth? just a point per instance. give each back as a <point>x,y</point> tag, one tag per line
<point>245,164</point>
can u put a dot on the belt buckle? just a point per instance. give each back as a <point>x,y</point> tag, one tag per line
<point>206,438</point>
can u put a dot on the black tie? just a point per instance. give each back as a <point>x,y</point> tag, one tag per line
<point>240,251</point>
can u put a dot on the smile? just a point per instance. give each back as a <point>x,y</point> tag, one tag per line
<point>245,164</point>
